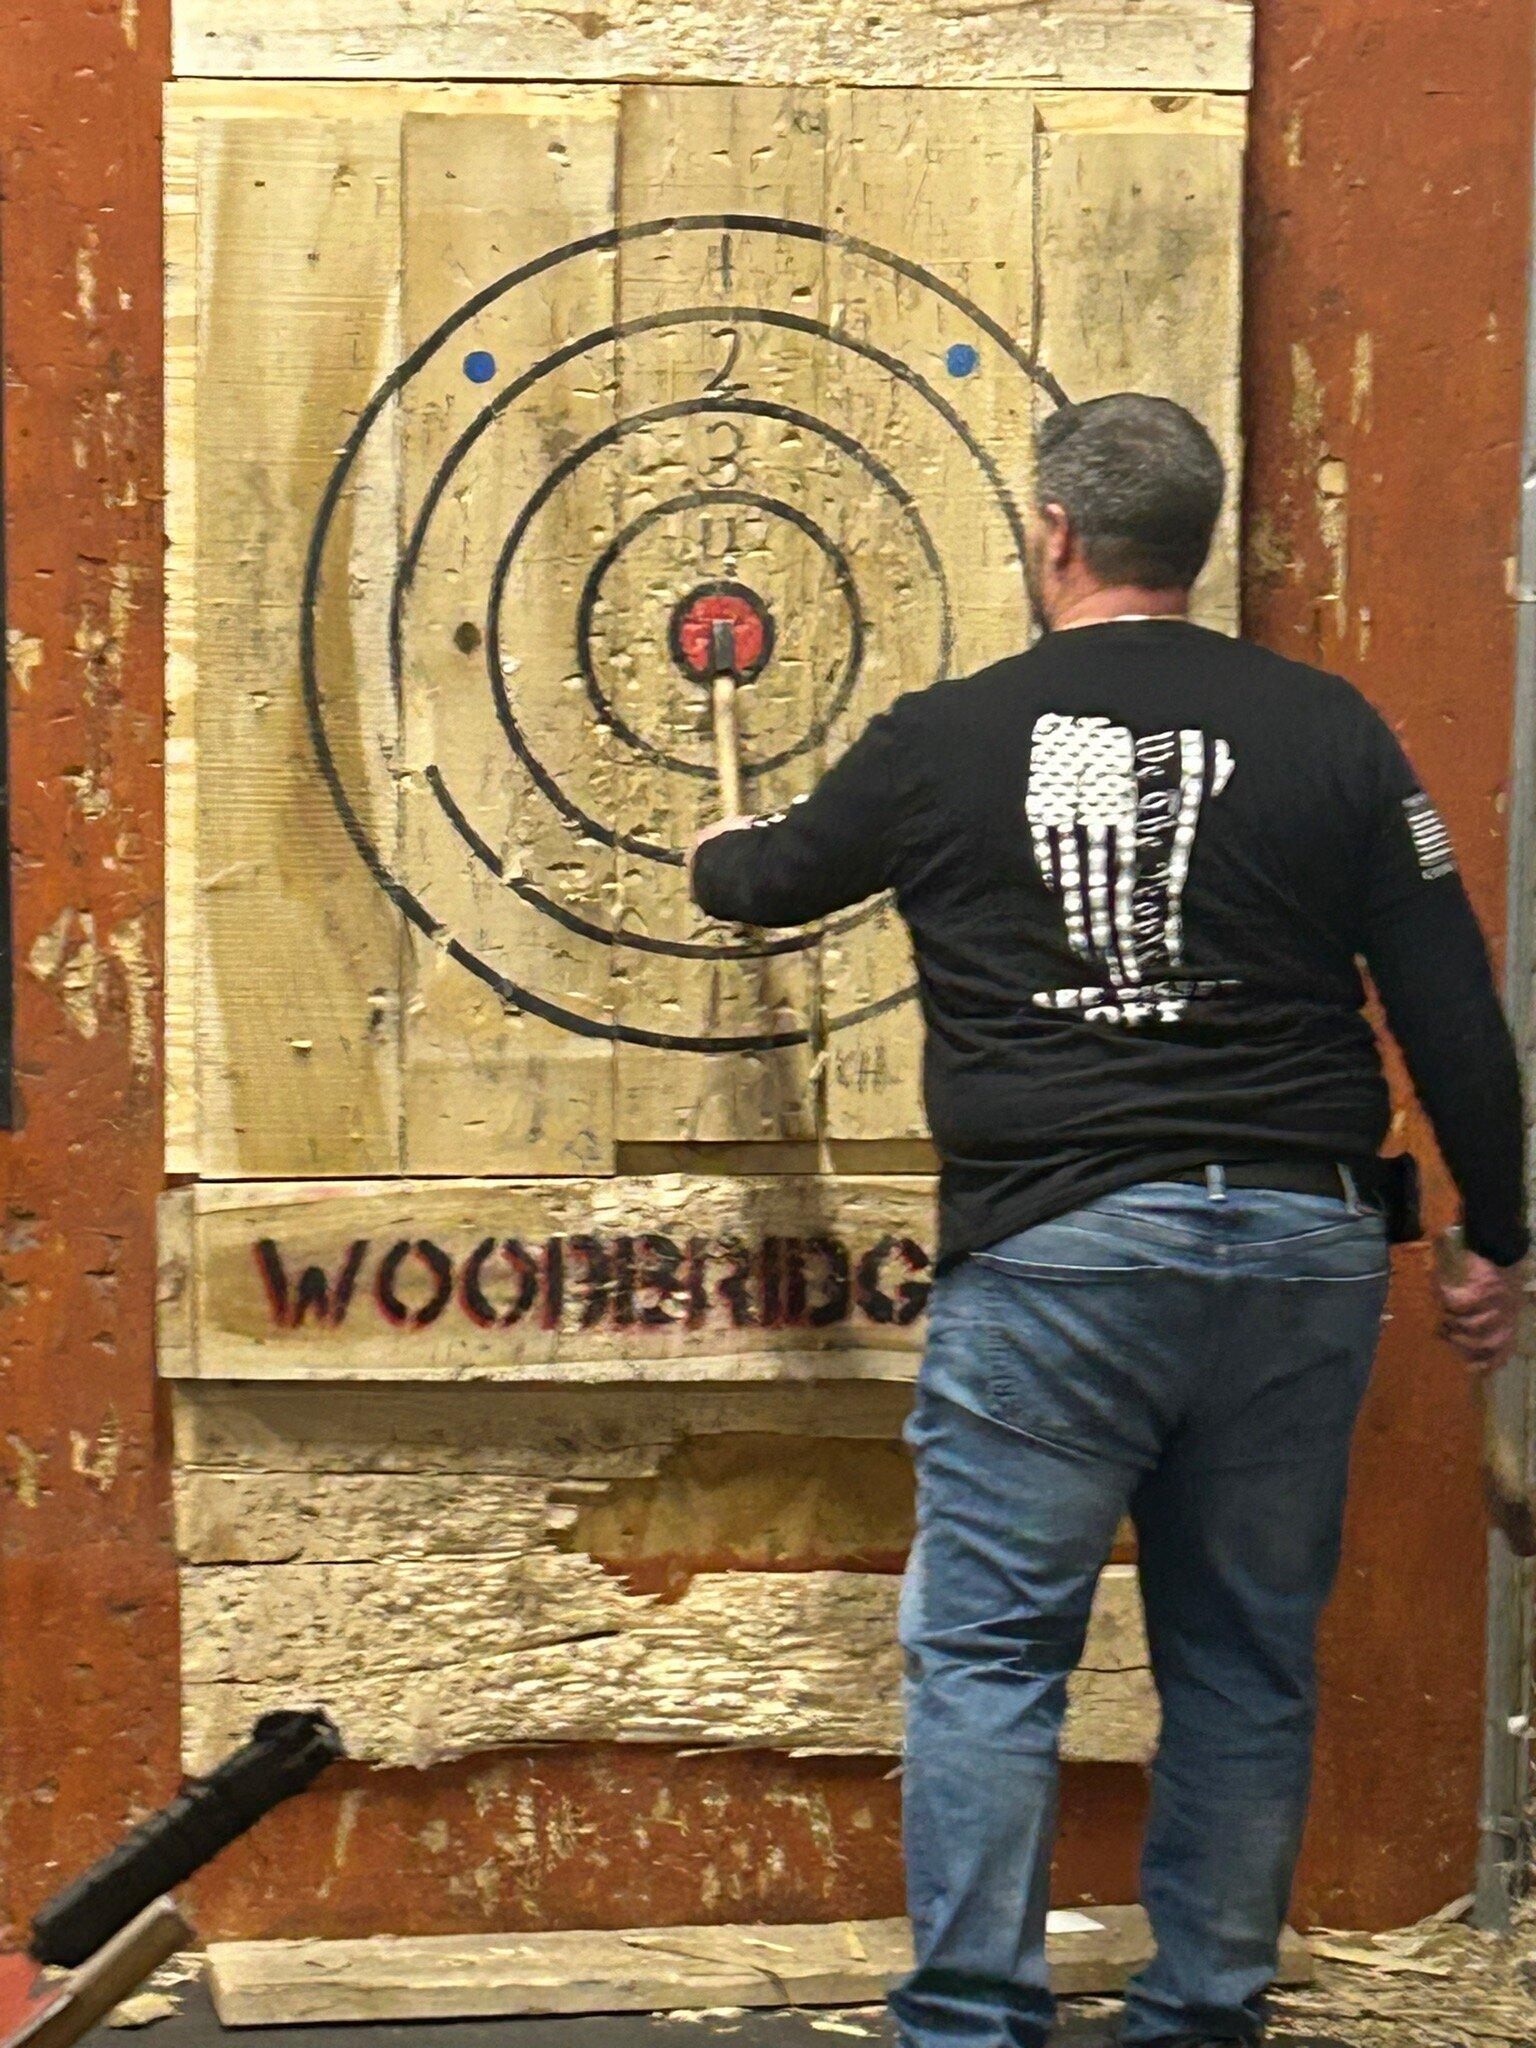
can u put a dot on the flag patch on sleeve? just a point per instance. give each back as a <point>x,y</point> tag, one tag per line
<point>1431,841</point>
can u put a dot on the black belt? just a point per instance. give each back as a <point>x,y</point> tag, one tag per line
<point>1294,1177</point>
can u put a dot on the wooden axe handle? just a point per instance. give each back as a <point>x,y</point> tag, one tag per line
<point>89,1993</point>
<point>1510,1506</point>
<point>722,662</point>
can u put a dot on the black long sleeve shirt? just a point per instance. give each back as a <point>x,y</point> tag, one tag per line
<point>1141,864</point>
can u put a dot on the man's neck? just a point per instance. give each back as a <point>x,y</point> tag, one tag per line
<point>1120,601</point>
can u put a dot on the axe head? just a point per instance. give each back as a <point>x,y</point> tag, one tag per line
<point>45,2007</point>
<point>722,648</point>
<point>28,1992</point>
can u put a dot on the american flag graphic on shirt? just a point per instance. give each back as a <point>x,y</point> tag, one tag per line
<point>1431,842</point>
<point>1113,818</point>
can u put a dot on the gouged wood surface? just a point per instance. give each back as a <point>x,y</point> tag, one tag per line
<point>556,1280</point>
<point>482,1088</point>
<point>637,1969</point>
<point>418,1660</point>
<point>1174,44</point>
<point>1140,226</point>
<point>448,1577</point>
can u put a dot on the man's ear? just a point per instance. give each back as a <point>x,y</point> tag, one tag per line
<point>1060,536</point>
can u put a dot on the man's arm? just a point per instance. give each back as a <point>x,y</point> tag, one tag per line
<point>829,849</point>
<point>1431,968</point>
<point>1428,959</point>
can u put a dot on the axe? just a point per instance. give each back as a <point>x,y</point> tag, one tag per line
<point>105,1933</point>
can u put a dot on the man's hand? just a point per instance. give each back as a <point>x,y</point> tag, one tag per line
<point>1481,1304</point>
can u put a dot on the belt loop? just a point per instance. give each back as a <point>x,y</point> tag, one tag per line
<point>1216,1183</point>
<point>1351,1191</point>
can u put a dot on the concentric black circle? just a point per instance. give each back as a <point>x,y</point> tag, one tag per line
<point>677,408</point>
<point>407,898</point>
<point>777,508</point>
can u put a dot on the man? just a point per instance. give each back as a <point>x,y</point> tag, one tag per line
<point>1139,864</point>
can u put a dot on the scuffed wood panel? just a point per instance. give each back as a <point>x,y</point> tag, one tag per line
<point>624,1279</point>
<point>292,1052</point>
<point>1175,44</point>
<point>421,1660</point>
<point>487,1086</point>
<point>449,1578</point>
<point>181,938</point>
<point>640,1969</point>
<point>260,1430</point>
<point>663,1969</point>
<point>709,497</point>
<point>1140,226</point>
<point>490,390</point>
<point>947,178</point>
<point>352,750</point>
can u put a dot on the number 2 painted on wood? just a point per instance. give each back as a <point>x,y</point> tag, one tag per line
<point>720,377</point>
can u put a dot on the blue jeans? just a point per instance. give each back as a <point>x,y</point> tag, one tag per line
<point>1195,1355</point>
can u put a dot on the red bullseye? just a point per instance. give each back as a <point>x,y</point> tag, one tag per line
<point>696,615</point>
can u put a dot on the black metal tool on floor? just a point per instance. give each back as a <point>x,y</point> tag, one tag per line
<point>110,1928</point>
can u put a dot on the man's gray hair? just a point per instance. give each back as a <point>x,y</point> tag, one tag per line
<point>1141,481</point>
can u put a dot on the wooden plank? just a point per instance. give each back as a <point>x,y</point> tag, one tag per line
<point>297,967</point>
<point>637,1970</point>
<point>181,1119</point>
<point>335,1518</point>
<point>710,494</point>
<point>671,1277</point>
<point>802,1661</point>
<point>811,1155</point>
<point>1140,226</point>
<point>262,1430</point>
<point>1172,44</point>
<point>486,1087</point>
<point>944,180</point>
<point>423,1658</point>
<point>849,1962</point>
<point>751,1501</point>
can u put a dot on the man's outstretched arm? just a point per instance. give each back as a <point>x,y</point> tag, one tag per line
<point>827,850</point>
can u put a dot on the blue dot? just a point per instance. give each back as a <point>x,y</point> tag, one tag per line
<point>960,359</point>
<point>480,365</point>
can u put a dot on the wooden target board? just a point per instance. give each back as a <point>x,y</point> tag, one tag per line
<point>486,401</point>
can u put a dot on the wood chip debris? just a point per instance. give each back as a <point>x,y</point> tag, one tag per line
<point>1438,1984</point>
<point>1378,1959</point>
<point>143,2009</point>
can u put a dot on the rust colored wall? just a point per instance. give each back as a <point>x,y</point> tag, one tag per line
<point>88,1649</point>
<point>608,1837</point>
<point>1388,229</point>
<point>1387,238</point>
